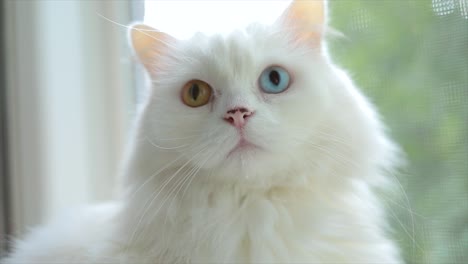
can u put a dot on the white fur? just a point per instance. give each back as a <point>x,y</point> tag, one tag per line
<point>306,196</point>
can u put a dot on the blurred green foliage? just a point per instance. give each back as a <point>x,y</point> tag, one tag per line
<point>411,58</point>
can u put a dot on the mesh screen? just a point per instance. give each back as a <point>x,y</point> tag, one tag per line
<point>411,59</point>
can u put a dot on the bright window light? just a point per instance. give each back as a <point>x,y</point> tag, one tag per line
<point>182,19</point>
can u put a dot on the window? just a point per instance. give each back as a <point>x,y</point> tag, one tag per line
<point>70,96</point>
<point>3,143</point>
<point>411,58</point>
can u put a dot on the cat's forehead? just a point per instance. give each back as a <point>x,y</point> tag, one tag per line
<point>240,40</point>
<point>238,55</point>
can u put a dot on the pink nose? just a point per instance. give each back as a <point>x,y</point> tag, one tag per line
<point>237,116</point>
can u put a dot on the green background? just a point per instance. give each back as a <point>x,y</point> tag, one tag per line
<point>411,59</point>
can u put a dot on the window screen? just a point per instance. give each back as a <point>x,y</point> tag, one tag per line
<point>411,59</point>
<point>3,143</point>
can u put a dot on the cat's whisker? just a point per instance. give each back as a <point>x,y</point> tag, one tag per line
<point>411,234</point>
<point>318,132</point>
<point>155,195</point>
<point>177,138</point>
<point>153,176</point>
<point>332,137</point>
<point>405,195</point>
<point>407,209</point>
<point>143,31</point>
<point>171,129</point>
<point>113,21</point>
<point>146,207</point>
<point>214,153</point>
<point>159,100</point>
<point>178,158</point>
<point>177,186</point>
<point>323,145</point>
<point>187,179</point>
<point>329,141</point>
<point>172,162</point>
<point>318,166</point>
<point>191,179</point>
<point>170,61</point>
<point>338,157</point>
<point>165,148</point>
<point>178,183</point>
<point>168,122</point>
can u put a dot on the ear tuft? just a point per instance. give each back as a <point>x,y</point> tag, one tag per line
<point>148,43</point>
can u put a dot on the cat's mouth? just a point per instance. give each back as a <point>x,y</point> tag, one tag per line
<point>242,146</point>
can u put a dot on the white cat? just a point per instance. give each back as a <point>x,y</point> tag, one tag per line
<point>250,148</point>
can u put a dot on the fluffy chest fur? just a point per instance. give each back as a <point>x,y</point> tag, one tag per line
<point>231,224</point>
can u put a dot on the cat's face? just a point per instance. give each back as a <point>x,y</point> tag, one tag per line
<point>244,104</point>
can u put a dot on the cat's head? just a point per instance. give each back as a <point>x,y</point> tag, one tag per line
<point>247,105</point>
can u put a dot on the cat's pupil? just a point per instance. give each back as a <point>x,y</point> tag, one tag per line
<point>194,91</point>
<point>274,77</point>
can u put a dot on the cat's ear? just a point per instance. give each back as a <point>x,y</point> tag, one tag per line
<point>305,20</point>
<point>149,44</point>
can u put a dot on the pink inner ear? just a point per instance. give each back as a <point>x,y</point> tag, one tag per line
<point>149,45</point>
<point>306,19</point>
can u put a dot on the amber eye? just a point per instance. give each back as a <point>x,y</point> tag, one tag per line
<point>196,93</point>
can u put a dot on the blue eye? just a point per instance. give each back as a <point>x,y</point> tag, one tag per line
<point>274,80</point>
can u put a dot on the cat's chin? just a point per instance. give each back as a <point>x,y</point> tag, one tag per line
<point>246,164</point>
<point>243,148</point>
